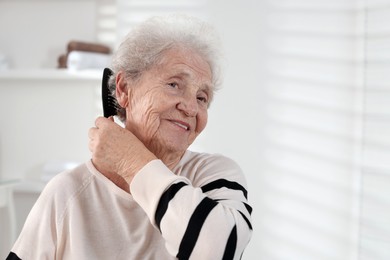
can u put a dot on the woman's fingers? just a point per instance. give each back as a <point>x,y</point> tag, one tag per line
<point>102,122</point>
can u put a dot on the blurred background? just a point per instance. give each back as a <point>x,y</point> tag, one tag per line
<point>304,109</point>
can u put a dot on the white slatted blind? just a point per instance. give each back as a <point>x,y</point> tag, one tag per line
<point>375,207</point>
<point>106,18</point>
<point>327,178</point>
<point>132,12</point>
<point>115,18</point>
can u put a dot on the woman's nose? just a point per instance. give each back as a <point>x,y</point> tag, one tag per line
<point>188,105</point>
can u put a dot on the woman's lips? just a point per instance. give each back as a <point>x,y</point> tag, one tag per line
<point>181,124</point>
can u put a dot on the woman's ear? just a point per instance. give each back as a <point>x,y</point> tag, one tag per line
<point>121,90</point>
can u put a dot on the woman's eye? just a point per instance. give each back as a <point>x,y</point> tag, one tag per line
<point>173,84</point>
<point>203,99</point>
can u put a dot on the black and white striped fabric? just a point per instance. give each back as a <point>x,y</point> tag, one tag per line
<point>199,210</point>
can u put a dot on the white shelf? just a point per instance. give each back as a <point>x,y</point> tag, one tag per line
<point>50,74</point>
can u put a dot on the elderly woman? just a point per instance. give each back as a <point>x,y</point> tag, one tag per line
<point>144,195</point>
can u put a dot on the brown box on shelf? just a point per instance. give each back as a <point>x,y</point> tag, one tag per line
<point>62,59</point>
<point>81,46</point>
<point>89,47</point>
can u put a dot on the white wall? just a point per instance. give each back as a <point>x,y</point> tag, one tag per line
<point>35,33</point>
<point>45,118</point>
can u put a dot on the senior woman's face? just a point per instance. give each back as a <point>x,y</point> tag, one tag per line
<point>167,106</point>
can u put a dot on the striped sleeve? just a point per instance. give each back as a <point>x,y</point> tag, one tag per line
<point>12,256</point>
<point>209,219</point>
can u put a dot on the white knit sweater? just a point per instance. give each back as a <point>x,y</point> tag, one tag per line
<point>197,211</point>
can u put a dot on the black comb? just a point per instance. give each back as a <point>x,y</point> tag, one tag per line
<point>109,108</point>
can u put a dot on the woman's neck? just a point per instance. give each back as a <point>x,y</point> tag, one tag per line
<point>170,159</point>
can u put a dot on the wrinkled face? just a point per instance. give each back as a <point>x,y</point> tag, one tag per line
<point>167,106</point>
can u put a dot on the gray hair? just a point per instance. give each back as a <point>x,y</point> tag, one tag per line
<point>144,47</point>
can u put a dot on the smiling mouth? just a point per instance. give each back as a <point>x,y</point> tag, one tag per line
<point>181,125</point>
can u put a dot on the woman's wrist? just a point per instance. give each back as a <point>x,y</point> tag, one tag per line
<point>131,167</point>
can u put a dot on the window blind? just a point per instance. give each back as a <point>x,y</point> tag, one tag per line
<point>375,193</point>
<point>326,180</point>
<point>132,12</point>
<point>106,22</point>
<point>115,18</point>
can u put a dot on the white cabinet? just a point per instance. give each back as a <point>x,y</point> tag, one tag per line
<point>45,115</point>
